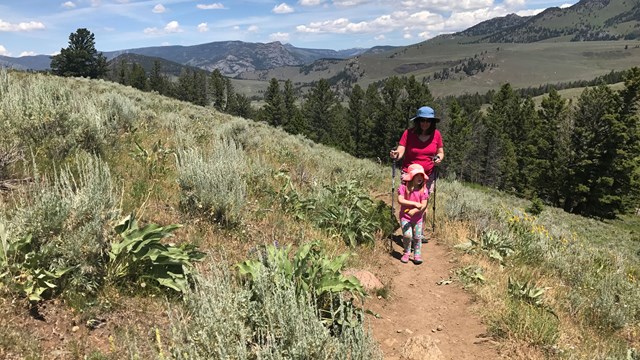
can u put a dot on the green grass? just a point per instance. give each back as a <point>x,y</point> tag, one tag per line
<point>521,65</point>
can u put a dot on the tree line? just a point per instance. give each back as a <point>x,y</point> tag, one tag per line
<point>583,157</point>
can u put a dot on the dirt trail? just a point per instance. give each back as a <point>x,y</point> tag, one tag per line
<point>418,306</point>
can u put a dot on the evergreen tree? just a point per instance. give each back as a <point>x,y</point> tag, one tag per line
<point>138,77</point>
<point>217,86</point>
<point>80,58</point>
<point>418,95</point>
<point>322,111</point>
<point>359,122</point>
<point>231,105</point>
<point>391,122</point>
<point>373,108</point>
<point>243,107</point>
<point>157,81</point>
<point>273,110</point>
<point>458,140</point>
<point>590,181</point>
<point>553,134</point>
<point>294,122</point>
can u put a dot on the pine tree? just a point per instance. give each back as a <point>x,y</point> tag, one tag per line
<point>418,95</point>
<point>294,122</point>
<point>458,140</point>
<point>373,108</point>
<point>217,87</point>
<point>553,134</point>
<point>359,121</point>
<point>80,58</point>
<point>322,111</point>
<point>273,110</point>
<point>589,181</point>
<point>157,81</point>
<point>138,77</point>
<point>391,122</point>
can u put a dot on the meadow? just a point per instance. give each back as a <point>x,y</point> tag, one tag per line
<point>160,229</point>
<point>521,65</point>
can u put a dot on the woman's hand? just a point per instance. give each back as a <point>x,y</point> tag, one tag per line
<point>394,154</point>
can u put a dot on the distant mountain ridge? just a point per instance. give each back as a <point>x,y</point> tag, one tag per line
<point>587,20</point>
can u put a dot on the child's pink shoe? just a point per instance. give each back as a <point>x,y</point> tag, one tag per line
<point>417,259</point>
<point>405,257</point>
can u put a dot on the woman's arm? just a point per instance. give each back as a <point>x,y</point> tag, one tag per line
<point>440,156</point>
<point>398,153</point>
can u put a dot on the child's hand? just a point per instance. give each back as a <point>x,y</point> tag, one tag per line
<point>413,212</point>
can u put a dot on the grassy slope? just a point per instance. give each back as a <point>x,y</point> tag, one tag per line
<point>268,150</point>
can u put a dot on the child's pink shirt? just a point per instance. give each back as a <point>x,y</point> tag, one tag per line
<point>417,196</point>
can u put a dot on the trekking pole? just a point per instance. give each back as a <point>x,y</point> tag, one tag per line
<point>393,192</point>
<point>435,182</point>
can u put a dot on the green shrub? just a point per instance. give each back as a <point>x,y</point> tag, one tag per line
<point>347,211</point>
<point>66,216</point>
<point>267,318</point>
<point>536,207</point>
<point>140,256</point>
<point>528,323</point>
<point>214,185</point>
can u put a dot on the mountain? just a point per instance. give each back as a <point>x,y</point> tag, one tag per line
<point>37,62</point>
<point>587,20</point>
<point>235,57</point>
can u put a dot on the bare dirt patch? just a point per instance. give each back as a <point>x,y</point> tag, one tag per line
<point>425,309</point>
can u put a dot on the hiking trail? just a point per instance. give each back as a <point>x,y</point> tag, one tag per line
<point>424,317</point>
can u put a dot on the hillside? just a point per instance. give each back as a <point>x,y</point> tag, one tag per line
<point>542,286</point>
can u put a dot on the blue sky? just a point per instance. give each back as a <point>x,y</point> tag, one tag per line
<point>31,27</point>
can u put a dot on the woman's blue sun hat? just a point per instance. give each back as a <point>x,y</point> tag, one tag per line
<point>427,113</point>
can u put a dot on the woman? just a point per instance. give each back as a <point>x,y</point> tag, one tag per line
<point>421,144</point>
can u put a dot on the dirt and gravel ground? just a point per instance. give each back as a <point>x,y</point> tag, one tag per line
<point>425,317</point>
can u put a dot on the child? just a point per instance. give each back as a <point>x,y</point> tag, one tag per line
<point>412,197</point>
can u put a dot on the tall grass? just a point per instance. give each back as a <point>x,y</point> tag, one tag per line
<point>601,288</point>
<point>224,319</point>
<point>67,216</point>
<point>214,184</point>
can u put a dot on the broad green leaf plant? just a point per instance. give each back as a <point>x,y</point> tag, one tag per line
<point>141,256</point>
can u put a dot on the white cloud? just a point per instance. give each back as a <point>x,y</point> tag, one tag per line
<point>379,37</point>
<point>282,9</point>
<point>23,26</point>
<point>171,27</point>
<point>236,27</point>
<point>123,1</point>
<point>348,3</point>
<point>96,3</point>
<point>279,36</point>
<point>214,6</point>
<point>252,28</point>
<point>310,2</point>
<point>396,20</point>
<point>165,43</point>
<point>514,3</point>
<point>529,12</point>
<point>446,5</point>
<point>563,6</point>
<point>204,27</point>
<point>69,5</point>
<point>4,51</point>
<point>159,9</point>
<point>27,53</point>
<point>407,36</point>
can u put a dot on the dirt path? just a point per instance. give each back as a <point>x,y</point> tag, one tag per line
<point>419,308</point>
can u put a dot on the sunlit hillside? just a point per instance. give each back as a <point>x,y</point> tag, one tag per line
<point>253,228</point>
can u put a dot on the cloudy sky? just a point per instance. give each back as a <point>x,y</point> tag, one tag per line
<point>30,27</point>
